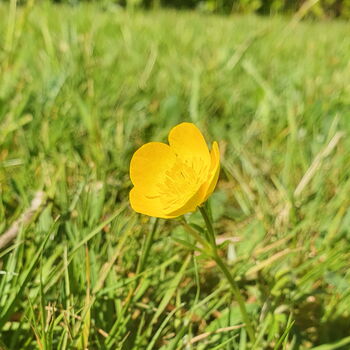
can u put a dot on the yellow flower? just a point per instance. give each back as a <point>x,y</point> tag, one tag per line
<point>172,180</point>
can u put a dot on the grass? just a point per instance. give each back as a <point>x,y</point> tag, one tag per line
<point>81,88</point>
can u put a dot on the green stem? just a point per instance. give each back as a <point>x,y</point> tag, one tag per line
<point>238,296</point>
<point>220,263</point>
<point>194,234</point>
<point>209,225</point>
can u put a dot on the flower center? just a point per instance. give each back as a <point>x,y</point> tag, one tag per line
<point>181,182</point>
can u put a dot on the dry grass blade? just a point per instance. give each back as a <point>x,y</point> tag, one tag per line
<point>208,334</point>
<point>317,163</point>
<point>35,206</point>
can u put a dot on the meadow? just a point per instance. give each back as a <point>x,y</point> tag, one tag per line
<point>81,88</point>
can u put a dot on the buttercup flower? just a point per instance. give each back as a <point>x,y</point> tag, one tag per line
<point>172,180</point>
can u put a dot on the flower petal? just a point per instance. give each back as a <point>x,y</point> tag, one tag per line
<point>189,144</point>
<point>145,205</point>
<point>214,170</point>
<point>191,204</point>
<point>149,165</point>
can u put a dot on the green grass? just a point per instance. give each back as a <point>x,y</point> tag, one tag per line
<point>81,88</point>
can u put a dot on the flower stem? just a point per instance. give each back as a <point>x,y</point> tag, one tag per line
<point>194,234</point>
<point>238,296</point>
<point>209,225</point>
<point>220,263</point>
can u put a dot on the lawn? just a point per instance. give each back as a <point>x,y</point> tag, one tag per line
<point>81,88</point>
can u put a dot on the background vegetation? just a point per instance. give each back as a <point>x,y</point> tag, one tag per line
<point>319,8</point>
<point>81,88</point>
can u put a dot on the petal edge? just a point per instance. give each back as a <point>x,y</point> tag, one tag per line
<point>187,141</point>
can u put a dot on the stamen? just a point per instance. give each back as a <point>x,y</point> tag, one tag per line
<point>182,182</point>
